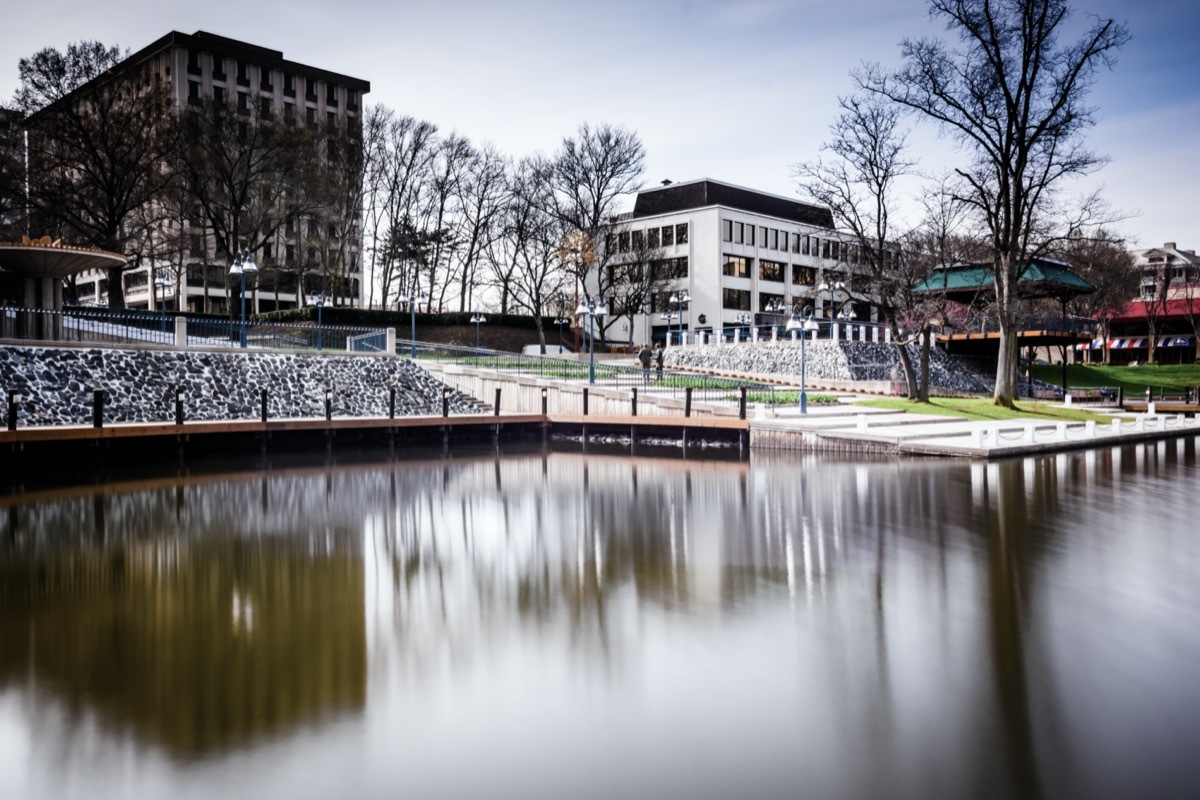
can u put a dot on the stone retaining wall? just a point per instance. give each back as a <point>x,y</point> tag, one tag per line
<point>57,385</point>
<point>828,361</point>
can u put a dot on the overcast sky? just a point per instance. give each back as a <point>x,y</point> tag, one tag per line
<point>735,90</point>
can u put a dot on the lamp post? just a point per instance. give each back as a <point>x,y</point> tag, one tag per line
<point>794,324</point>
<point>243,263</point>
<point>477,320</point>
<point>414,298</point>
<point>560,322</point>
<point>161,281</point>
<point>744,318</point>
<point>320,301</point>
<point>678,298</point>
<point>592,308</point>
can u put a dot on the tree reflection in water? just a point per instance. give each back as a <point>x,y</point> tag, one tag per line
<point>858,628</point>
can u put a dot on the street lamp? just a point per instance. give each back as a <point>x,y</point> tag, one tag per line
<point>593,308</point>
<point>243,264</point>
<point>477,320</point>
<point>833,287</point>
<point>320,301</point>
<point>808,325</point>
<point>560,322</point>
<point>744,318</point>
<point>678,298</point>
<point>414,298</point>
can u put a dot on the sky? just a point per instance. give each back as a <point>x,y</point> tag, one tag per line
<point>734,90</point>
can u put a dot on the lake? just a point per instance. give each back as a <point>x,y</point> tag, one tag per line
<point>555,624</point>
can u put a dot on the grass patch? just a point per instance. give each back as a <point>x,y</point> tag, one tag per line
<point>791,398</point>
<point>978,408</point>
<point>1135,380</point>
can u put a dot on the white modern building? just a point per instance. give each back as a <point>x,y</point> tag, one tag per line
<point>746,260</point>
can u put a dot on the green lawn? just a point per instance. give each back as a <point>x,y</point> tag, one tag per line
<point>976,408</point>
<point>1135,380</point>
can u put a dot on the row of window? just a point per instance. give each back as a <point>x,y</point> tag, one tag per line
<point>646,239</point>
<point>663,269</point>
<point>800,244</point>
<point>777,271</point>
<point>265,82</point>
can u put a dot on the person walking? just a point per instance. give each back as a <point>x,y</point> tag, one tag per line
<point>658,362</point>
<point>644,357</point>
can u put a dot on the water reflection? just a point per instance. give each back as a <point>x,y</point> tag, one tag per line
<point>547,624</point>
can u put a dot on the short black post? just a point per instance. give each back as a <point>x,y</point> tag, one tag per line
<point>262,400</point>
<point>633,402</point>
<point>178,405</point>
<point>1149,394</point>
<point>496,407</point>
<point>14,399</point>
<point>391,402</point>
<point>1121,397</point>
<point>742,404</point>
<point>545,402</point>
<point>687,401</point>
<point>329,405</point>
<point>98,408</point>
<point>445,401</point>
<point>585,401</point>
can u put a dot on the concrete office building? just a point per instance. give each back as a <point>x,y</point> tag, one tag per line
<point>746,258</point>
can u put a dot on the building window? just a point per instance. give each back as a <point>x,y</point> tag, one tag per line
<point>668,236</point>
<point>669,269</point>
<point>289,84</point>
<point>291,254</point>
<point>310,89</point>
<point>623,242</point>
<point>770,302</point>
<point>243,74</point>
<point>331,95</point>
<point>194,92</point>
<point>803,276</point>
<point>652,238</point>
<point>218,68</point>
<point>219,94</point>
<point>770,270</point>
<point>727,230</point>
<point>736,267</point>
<point>762,237</point>
<point>735,299</point>
<point>681,233</point>
<point>795,243</point>
<point>264,107</point>
<point>638,239</point>
<point>351,99</point>
<point>310,115</point>
<point>804,242</point>
<point>739,232</point>
<point>193,66</point>
<point>243,102</point>
<point>816,247</point>
<point>264,80</point>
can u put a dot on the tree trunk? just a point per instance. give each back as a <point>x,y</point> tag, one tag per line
<point>1006,365</point>
<point>926,346</point>
<point>910,378</point>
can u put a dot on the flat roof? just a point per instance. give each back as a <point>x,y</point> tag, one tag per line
<point>705,192</point>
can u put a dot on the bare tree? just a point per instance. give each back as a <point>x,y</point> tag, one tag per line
<point>250,173</point>
<point>1102,261</point>
<point>99,131</point>
<point>1014,97</point>
<point>858,185</point>
<point>482,196</point>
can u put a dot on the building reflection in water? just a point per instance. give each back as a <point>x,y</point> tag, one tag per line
<point>860,627</point>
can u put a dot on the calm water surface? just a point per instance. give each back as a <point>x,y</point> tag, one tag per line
<point>560,625</point>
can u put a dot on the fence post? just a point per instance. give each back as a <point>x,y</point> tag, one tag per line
<point>263,406</point>
<point>1121,396</point>
<point>390,339</point>
<point>545,401</point>
<point>181,333</point>
<point>634,401</point>
<point>742,403</point>
<point>496,407</point>
<point>13,400</point>
<point>328,404</point>
<point>98,408</point>
<point>178,404</point>
<point>585,401</point>
<point>687,401</point>
<point>445,401</point>
<point>392,401</point>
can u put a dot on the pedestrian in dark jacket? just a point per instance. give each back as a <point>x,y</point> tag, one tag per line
<point>658,362</point>
<point>644,357</point>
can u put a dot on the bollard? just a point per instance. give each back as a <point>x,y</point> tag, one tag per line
<point>545,401</point>
<point>1116,426</point>
<point>262,406</point>
<point>1120,396</point>
<point>329,405</point>
<point>742,404</point>
<point>1090,428</point>
<point>633,401</point>
<point>496,407</point>
<point>445,401</point>
<point>392,402</point>
<point>585,401</point>
<point>687,401</point>
<point>178,405</point>
<point>98,408</point>
<point>13,400</point>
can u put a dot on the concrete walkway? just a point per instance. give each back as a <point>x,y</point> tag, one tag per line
<point>850,428</point>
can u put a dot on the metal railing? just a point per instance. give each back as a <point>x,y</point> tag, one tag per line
<point>666,384</point>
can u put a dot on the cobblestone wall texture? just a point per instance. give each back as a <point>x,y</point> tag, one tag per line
<point>828,360</point>
<point>57,384</point>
